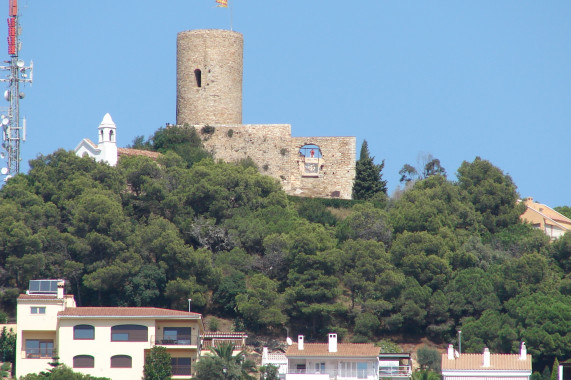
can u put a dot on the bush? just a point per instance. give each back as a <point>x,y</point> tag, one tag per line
<point>428,358</point>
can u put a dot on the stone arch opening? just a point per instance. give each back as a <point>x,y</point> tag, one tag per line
<point>310,160</point>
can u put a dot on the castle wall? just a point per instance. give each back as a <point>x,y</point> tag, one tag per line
<point>277,154</point>
<point>209,77</point>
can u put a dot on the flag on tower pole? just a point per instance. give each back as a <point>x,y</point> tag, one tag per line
<point>222,3</point>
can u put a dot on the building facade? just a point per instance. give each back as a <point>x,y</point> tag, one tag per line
<point>486,366</point>
<point>332,360</point>
<point>100,341</point>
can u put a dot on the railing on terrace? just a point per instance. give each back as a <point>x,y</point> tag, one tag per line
<point>334,373</point>
<point>391,372</point>
<point>182,341</point>
<point>181,370</point>
<point>238,343</point>
<point>47,353</point>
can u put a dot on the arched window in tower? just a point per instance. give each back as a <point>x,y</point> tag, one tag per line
<point>310,160</point>
<point>111,136</point>
<point>198,76</point>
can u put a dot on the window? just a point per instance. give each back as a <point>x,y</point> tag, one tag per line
<point>319,367</point>
<point>129,333</point>
<point>198,76</point>
<point>83,332</point>
<point>38,309</point>
<point>121,361</point>
<point>176,335</point>
<point>37,349</point>
<point>83,361</point>
<point>180,366</point>
<point>362,370</point>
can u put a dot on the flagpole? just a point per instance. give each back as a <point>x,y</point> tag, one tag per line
<point>231,16</point>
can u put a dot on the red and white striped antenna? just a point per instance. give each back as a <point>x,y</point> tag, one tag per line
<point>13,132</point>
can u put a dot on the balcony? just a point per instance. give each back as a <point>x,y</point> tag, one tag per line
<point>47,353</point>
<point>301,374</point>
<point>171,341</point>
<point>399,372</point>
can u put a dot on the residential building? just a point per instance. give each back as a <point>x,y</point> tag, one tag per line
<point>332,360</point>
<point>100,341</point>
<point>543,217</point>
<point>564,370</point>
<point>395,365</point>
<point>277,359</point>
<point>486,366</point>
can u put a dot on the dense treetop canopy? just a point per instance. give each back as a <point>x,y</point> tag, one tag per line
<point>441,257</point>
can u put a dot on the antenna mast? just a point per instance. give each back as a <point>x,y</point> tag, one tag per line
<point>12,132</point>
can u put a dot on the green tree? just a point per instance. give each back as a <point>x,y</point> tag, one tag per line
<point>428,358</point>
<point>368,176</point>
<point>555,370</point>
<point>222,364</point>
<point>492,193</point>
<point>157,364</point>
<point>269,372</point>
<point>425,374</point>
<point>8,345</point>
<point>427,167</point>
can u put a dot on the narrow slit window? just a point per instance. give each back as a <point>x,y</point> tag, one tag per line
<point>198,76</point>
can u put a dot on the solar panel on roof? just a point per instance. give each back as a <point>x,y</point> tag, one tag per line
<point>43,286</point>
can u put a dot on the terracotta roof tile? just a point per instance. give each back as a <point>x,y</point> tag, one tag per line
<point>497,362</point>
<point>137,152</point>
<point>343,350</point>
<point>124,312</point>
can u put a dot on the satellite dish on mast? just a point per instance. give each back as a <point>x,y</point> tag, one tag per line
<point>4,171</point>
<point>289,341</point>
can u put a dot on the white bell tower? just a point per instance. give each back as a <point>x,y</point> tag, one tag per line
<point>108,140</point>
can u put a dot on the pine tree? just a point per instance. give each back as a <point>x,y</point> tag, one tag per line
<point>368,177</point>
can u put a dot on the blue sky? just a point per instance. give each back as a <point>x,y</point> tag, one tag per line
<point>455,79</point>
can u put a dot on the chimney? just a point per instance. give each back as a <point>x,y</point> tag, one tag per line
<point>523,352</point>
<point>60,289</point>
<point>486,357</point>
<point>450,352</point>
<point>265,354</point>
<point>332,342</point>
<point>300,342</point>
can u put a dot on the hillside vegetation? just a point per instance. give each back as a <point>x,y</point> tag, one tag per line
<point>442,256</point>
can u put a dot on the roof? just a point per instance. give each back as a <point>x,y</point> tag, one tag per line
<point>121,312</point>
<point>343,350</point>
<point>137,152</point>
<point>497,362</point>
<point>224,335</point>
<point>547,213</point>
<point>42,297</point>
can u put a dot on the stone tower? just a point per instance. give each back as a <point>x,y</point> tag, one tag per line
<point>209,77</point>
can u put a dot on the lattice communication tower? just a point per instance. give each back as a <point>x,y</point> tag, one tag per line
<point>13,133</point>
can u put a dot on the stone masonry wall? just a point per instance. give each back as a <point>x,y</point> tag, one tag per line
<point>276,153</point>
<point>216,57</point>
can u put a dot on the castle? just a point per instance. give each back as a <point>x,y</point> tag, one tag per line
<point>209,98</point>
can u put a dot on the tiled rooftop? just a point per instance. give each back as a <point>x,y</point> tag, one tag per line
<point>343,350</point>
<point>476,361</point>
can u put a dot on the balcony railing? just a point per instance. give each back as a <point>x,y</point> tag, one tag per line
<point>181,370</point>
<point>39,353</point>
<point>334,373</point>
<point>179,341</point>
<point>238,343</point>
<point>392,372</point>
